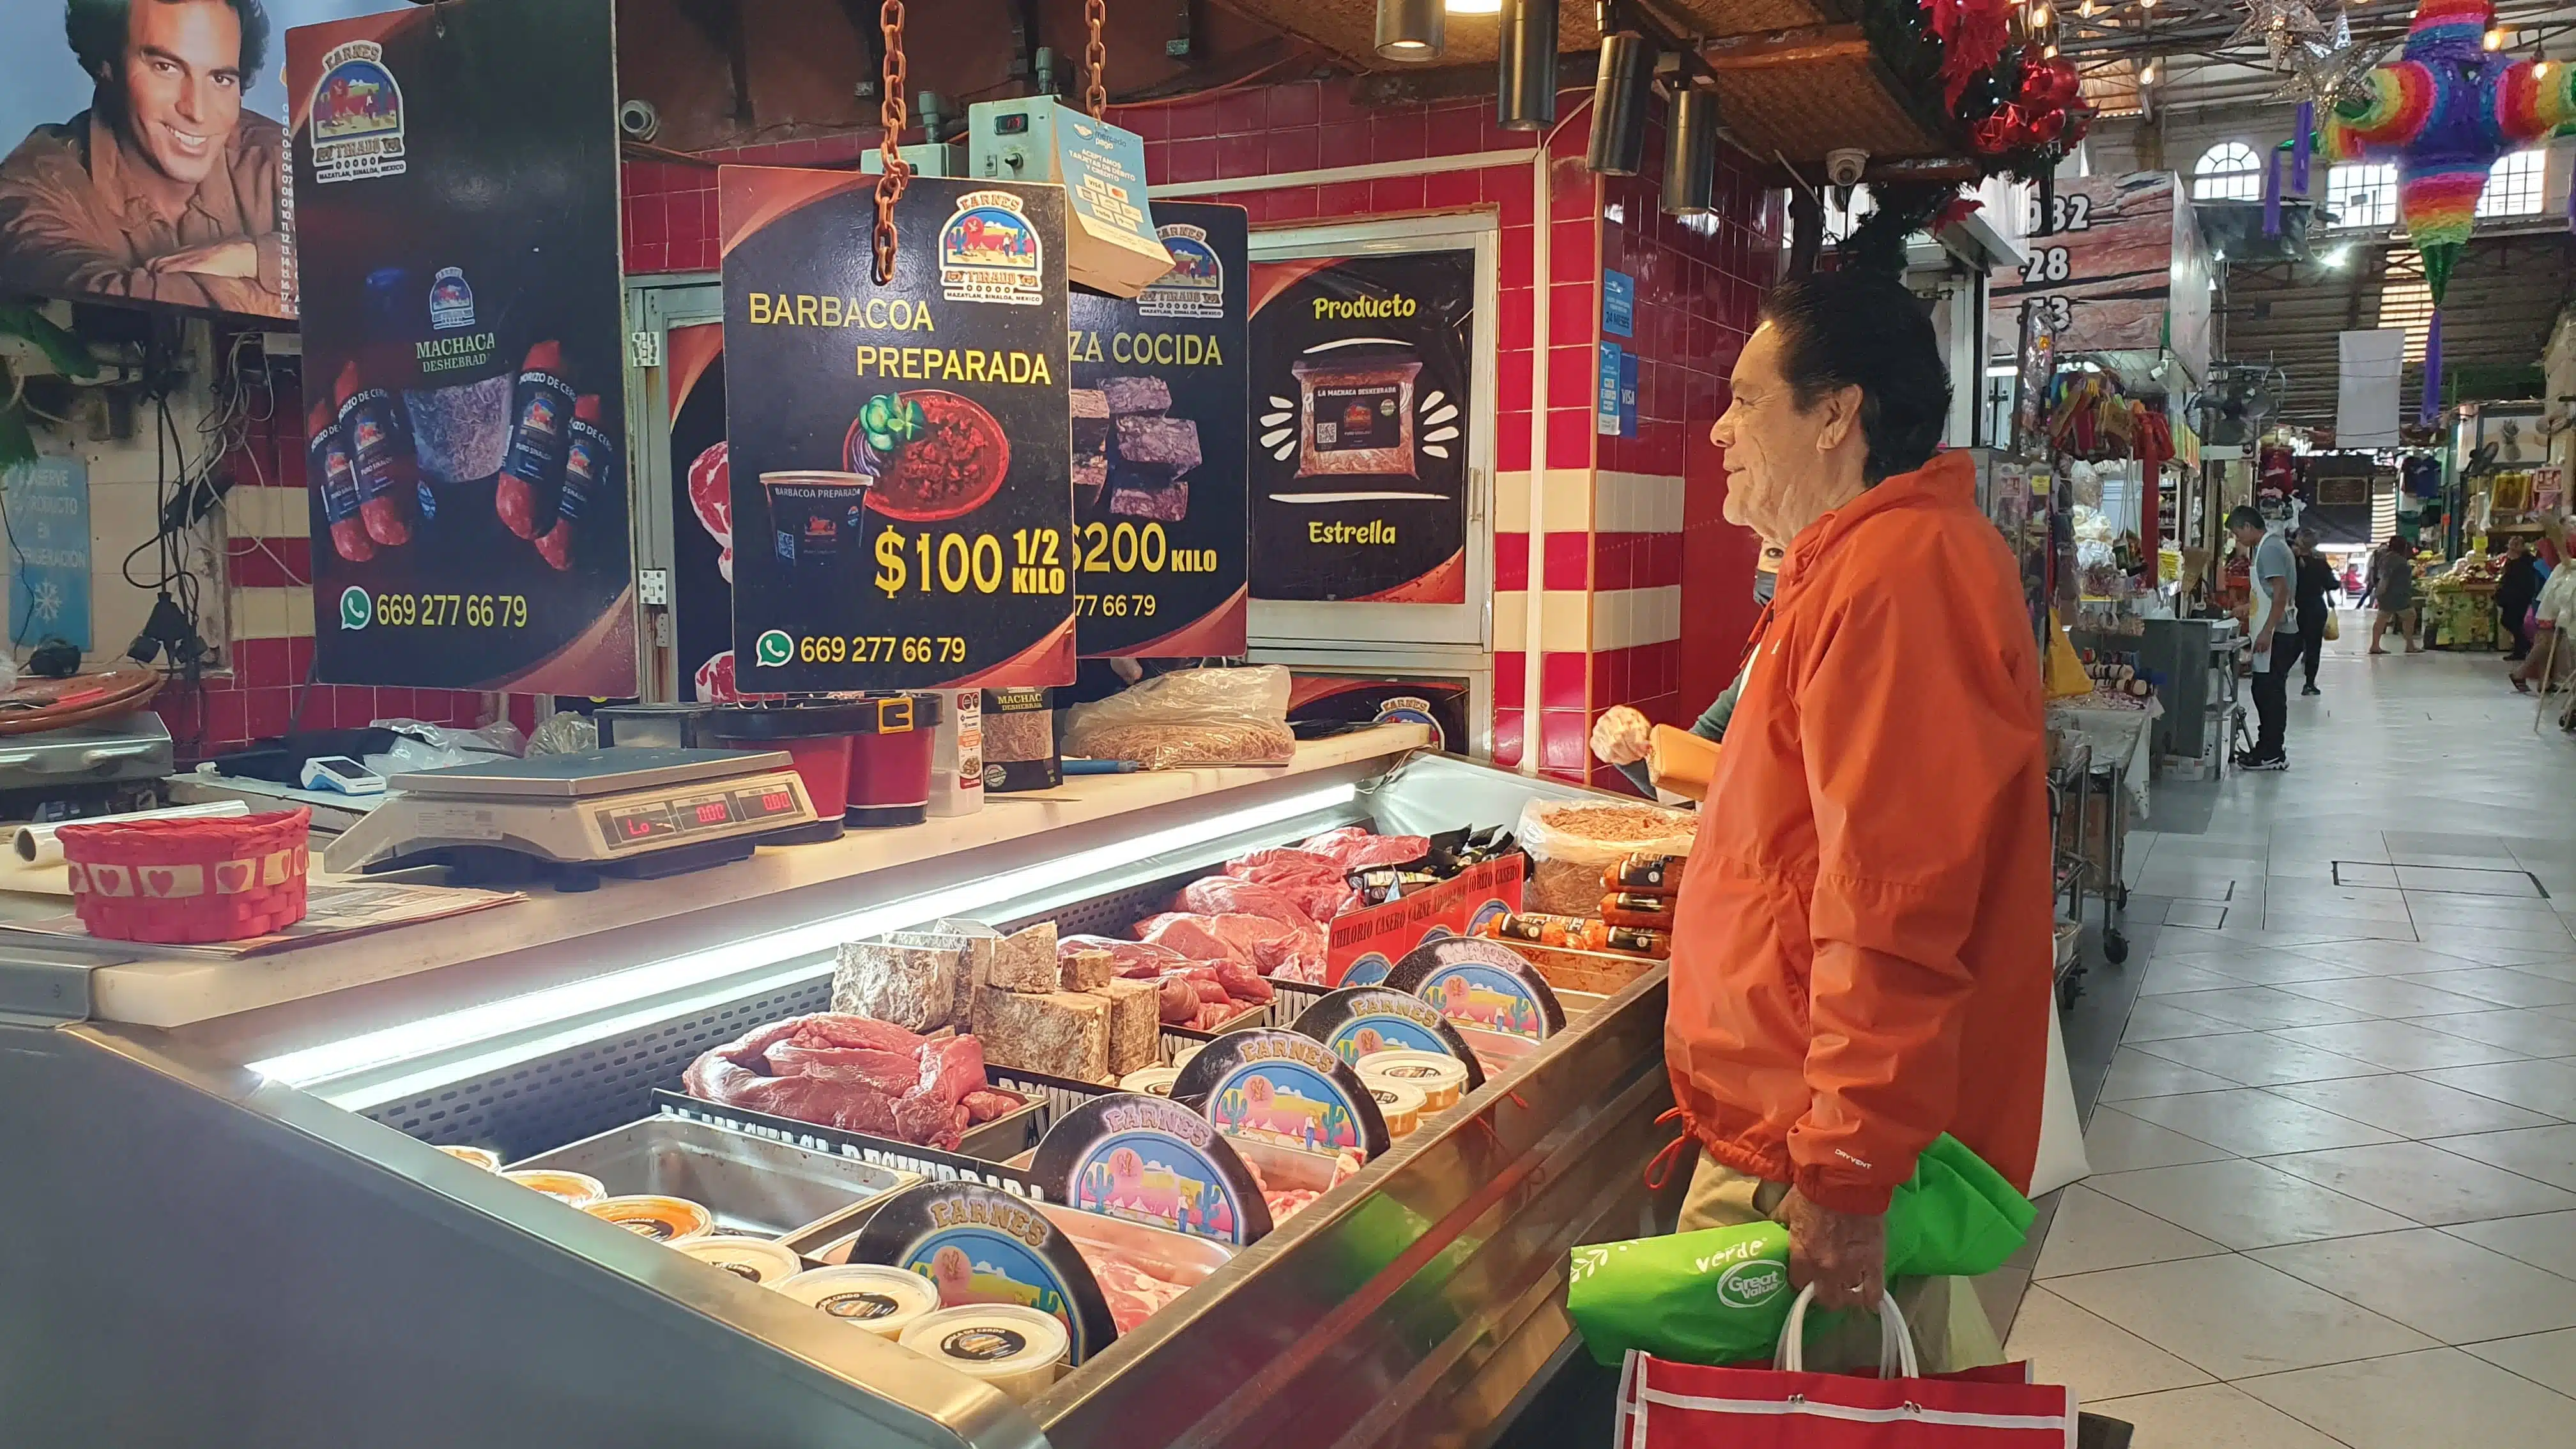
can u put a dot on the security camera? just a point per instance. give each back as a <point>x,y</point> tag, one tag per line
<point>1844,164</point>
<point>639,120</point>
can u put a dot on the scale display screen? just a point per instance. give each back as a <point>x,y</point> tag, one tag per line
<point>655,822</point>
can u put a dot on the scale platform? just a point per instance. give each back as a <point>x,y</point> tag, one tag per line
<point>625,812</point>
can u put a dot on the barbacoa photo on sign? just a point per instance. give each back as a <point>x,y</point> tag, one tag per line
<point>1160,493</point>
<point>902,516</point>
<point>1360,413</point>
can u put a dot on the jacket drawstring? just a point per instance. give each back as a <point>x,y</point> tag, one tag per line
<point>1659,1168</point>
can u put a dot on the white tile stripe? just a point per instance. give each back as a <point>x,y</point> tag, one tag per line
<point>1625,618</point>
<point>1636,503</point>
<point>267,513</point>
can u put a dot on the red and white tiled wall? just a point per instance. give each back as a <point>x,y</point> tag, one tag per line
<point>1646,589</point>
<point>268,633</point>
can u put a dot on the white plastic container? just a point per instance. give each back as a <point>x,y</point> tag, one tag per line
<point>1400,1102</point>
<point>572,1188</point>
<point>885,1301</point>
<point>1440,1078</point>
<point>1154,1080</point>
<point>957,755</point>
<point>482,1157</point>
<point>673,1220</point>
<point>757,1260</point>
<point>1016,1350</point>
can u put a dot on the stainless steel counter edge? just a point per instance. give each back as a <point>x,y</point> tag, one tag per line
<point>176,990</point>
<point>573,1271</point>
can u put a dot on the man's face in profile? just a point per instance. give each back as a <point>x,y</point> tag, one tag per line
<point>182,82</point>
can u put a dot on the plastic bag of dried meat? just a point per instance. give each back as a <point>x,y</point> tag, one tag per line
<point>1189,717</point>
<point>1571,842</point>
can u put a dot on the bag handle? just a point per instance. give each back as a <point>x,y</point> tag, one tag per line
<point>1896,1357</point>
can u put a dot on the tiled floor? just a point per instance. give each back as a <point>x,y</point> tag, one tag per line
<point>2334,1190</point>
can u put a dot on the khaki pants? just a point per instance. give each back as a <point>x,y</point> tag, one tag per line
<point>1948,1320</point>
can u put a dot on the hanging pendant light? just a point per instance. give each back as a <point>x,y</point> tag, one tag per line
<point>1690,151</point>
<point>1409,30</point>
<point>1525,39</point>
<point>1619,101</point>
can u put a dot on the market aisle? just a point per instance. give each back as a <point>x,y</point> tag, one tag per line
<point>2334,1199</point>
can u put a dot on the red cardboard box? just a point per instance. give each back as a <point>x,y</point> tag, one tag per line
<point>1367,943</point>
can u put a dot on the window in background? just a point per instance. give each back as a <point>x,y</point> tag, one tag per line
<point>2227,171</point>
<point>2513,185</point>
<point>2363,194</point>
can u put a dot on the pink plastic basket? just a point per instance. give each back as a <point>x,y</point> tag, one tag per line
<point>182,881</point>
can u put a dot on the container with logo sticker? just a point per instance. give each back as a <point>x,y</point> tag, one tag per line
<point>754,1260</point>
<point>1016,1350</point>
<point>1357,1022</point>
<point>884,1301</point>
<point>979,1246</point>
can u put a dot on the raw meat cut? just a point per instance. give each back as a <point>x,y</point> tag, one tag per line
<point>1357,849</point>
<point>1131,958</point>
<point>1231,937</point>
<point>1238,980</point>
<point>1313,883</point>
<point>1180,1001</point>
<point>1228,895</point>
<point>855,1074</point>
<point>1285,1202</point>
<point>1132,1290</point>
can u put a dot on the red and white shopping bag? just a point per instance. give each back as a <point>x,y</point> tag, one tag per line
<point>1664,1405</point>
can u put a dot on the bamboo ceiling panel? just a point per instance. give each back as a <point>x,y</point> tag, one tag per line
<point>1351,29</point>
<point>1806,100</point>
<point>1348,28</point>
<point>1748,17</point>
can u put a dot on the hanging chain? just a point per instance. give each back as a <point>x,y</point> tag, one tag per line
<point>898,173</point>
<point>1095,60</point>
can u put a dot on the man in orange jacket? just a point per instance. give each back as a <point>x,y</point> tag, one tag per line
<point>1862,948</point>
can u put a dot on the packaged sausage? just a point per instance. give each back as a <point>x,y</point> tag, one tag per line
<point>540,433</point>
<point>332,474</point>
<point>1639,909</point>
<point>1653,874</point>
<point>373,427</point>
<point>1633,941</point>
<point>590,467</point>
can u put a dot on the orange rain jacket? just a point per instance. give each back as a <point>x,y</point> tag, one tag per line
<point>1862,952</point>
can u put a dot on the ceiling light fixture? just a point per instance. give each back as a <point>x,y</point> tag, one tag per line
<point>1690,151</point>
<point>1409,30</point>
<point>1620,98</point>
<point>2495,38</point>
<point>1474,7</point>
<point>1525,54</point>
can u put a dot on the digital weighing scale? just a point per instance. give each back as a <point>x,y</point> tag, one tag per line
<point>637,813</point>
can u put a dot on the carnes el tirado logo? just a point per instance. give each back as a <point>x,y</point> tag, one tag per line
<point>988,252</point>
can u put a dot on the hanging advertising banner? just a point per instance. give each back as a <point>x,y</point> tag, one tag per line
<point>701,512</point>
<point>1160,446</point>
<point>2117,265</point>
<point>1360,371</point>
<point>456,235</point>
<point>900,455</point>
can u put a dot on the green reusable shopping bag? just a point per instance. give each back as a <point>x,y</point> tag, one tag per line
<point>1721,1295</point>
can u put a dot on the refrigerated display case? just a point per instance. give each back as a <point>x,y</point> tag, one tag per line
<point>249,1235</point>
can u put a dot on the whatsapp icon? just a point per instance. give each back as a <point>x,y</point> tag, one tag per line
<point>357,611</point>
<point>774,649</point>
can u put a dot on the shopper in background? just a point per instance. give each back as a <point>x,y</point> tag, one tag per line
<point>2517,589</point>
<point>2392,590</point>
<point>1861,949</point>
<point>2274,628</point>
<point>2355,587</point>
<point>1622,734</point>
<point>2555,614</point>
<point>2316,586</point>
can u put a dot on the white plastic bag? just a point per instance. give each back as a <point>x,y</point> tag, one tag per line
<point>1571,842</point>
<point>420,745</point>
<point>1189,717</point>
<point>2062,1158</point>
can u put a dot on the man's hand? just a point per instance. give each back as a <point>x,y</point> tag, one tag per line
<point>1843,1254</point>
<point>236,258</point>
<point>2263,642</point>
<point>1619,736</point>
